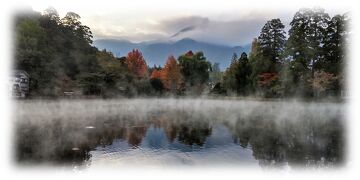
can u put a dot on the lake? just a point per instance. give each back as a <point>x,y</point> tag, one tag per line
<point>179,132</point>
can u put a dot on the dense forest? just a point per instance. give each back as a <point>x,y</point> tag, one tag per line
<point>307,62</point>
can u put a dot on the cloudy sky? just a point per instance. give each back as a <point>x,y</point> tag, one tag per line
<point>231,23</point>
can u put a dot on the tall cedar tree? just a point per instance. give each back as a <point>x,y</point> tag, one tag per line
<point>304,49</point>
<point>306,37</point>
<point>268,49</point>
<point>271,45</point>
<point>335,44</point>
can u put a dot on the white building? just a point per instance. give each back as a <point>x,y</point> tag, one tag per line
<point>19,83</point>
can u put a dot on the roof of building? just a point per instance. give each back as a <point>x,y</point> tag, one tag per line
<point>20,72</point>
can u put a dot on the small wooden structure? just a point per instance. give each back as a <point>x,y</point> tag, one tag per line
<point>19,83</point>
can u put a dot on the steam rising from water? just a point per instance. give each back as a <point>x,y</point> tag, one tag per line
<point>84,110</point>
<point>179,131</point>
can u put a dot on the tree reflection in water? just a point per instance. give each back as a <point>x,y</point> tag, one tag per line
<point>310,142</point>
<point>307,142</point>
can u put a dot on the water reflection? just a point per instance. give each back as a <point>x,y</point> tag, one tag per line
<point>309,142</point>
<point>235,137</point>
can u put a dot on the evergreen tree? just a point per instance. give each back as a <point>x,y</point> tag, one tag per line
<point>304,47</point>
<point>335,43</point>
<point>234,58</point>
<point>243,74</point>
<point>306,37</point>
<point>230,76</point>
<point>268,50</point>
<point>271,44</point>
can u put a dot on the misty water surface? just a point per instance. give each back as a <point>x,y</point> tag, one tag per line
<point>163,132</point>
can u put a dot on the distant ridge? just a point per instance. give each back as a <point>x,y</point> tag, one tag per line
<point>157,52</point>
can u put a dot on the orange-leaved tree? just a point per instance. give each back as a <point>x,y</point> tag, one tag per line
<point>171,75</point>
<point>156,74</point>
<point>136,63</point>
<point>155,79</point>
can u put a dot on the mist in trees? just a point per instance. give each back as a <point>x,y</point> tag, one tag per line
<point>309,61</point>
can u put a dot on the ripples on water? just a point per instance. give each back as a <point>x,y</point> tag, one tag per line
<point>162,132</point>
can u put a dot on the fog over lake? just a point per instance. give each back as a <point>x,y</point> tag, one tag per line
<point>179,132</point>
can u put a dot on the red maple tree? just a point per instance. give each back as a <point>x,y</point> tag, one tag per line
<point>136,63</point>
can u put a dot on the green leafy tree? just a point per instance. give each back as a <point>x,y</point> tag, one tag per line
<point>33,55</point>
<point>82,32</point>
<point>195,70</point>
<point>52,50</point>
<point>114,72</point>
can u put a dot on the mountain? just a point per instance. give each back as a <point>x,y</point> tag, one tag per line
<point>157,52</point>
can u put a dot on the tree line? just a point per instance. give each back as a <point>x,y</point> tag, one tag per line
<point>308,62</point>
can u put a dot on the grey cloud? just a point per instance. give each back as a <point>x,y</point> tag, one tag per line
<point>135,37</point>
<point>190,28</point>
<point>187,23</point>
<point>235,32</point>
<point>232,32</point>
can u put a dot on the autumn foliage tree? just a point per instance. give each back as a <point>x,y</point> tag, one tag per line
<point>269,84</point>
<point>171,75</point>
<point>156,74</point>
<point>136,64</point>
<point>323,82</point>
<point>155,80</point>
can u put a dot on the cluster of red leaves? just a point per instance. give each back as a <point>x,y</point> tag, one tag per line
<point>189,53</point>
<point>266,79</point>
<point>136,63</point>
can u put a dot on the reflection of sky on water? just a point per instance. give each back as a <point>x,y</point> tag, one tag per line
<point>156,149</point>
